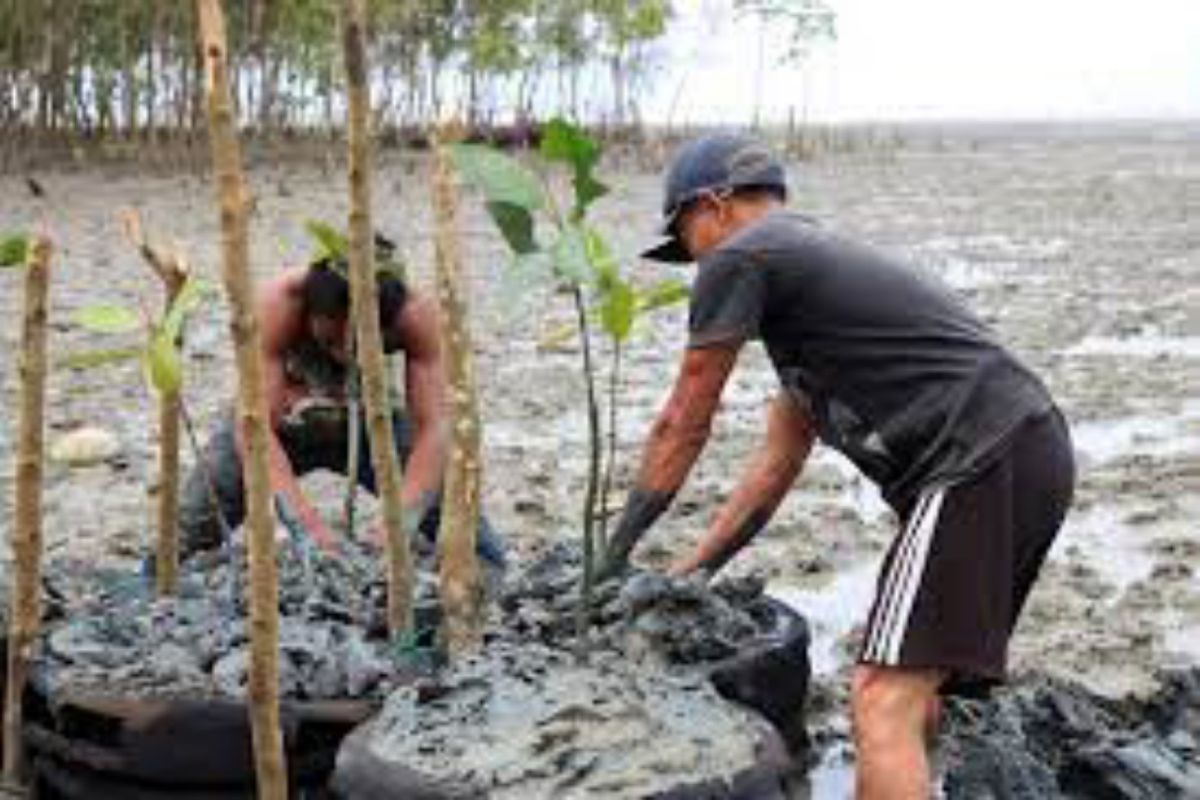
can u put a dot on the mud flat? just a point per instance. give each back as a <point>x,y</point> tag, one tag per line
<point>1080,248</point>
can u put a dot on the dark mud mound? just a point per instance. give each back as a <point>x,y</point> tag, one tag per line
<point>1046,738</point>
<point>644,715</point>
<point>113,636</point>
<point>753,648</point>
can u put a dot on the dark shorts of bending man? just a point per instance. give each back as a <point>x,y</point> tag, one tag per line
<point>303,315</point>
<point>893,371</point>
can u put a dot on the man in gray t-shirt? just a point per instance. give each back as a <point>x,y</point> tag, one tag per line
<point>892,370</point>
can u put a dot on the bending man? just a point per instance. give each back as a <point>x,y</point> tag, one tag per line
<point>893,371</point>
<point>304,318</point>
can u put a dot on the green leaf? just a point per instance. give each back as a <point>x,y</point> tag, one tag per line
<point>662,294</point>
<point>516,225</point>
<point>604,265</point>
<point>501,178</point>
<point>14,249</point>
<point>162,363</point>
<point>570,255</point>
<point>106,319</point>
<point>562,141</point>
<point>521,282</point>
<point>617,309</point>
<point>90,359</point>
<point>332,244</point>
<point>188,300</point>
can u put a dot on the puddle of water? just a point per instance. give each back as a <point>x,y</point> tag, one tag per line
<point>832,609</point>
<point>1146,346</point>
<point>1183,640</point>
<point>1102,441</point>
<point>832,778</point>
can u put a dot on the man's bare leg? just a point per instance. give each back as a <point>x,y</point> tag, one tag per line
<point>894,710</point>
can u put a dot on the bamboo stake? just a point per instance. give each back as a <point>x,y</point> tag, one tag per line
<point>172,270</point>
<point>263,679</point>
<point>459,585</point>
<point>363,303</point>
<point>25,600</point>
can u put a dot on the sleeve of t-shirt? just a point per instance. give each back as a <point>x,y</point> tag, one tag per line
<point>727,299</point>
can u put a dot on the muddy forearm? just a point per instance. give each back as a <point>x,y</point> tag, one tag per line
<point>642,508</point>
<point>284,482</point>
<point>423,473</point>
<point>671,451</point>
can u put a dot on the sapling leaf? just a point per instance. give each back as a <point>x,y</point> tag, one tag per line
<point>662,294</point>
<point>525,277</point>
<point>162,363</point>
<point>332,244</point>
<point>562,141</point>
<point>13,249</point>
<point>188,300</point>
<point>617,310</point>
<point>604,266</point>
<point>90,359</point>
<point>500,177</point>
<point>570,255</point>
<point>102,318</point>
<point>516,225</point>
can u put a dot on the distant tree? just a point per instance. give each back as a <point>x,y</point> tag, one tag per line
<point>807,22</point>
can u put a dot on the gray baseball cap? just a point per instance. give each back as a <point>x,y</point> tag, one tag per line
<point>712,163</point>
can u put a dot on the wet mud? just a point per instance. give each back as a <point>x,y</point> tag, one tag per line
<point>108,634</point>
<point>715,678</point>
<point>1049,738</point>
<point>1079,245</point>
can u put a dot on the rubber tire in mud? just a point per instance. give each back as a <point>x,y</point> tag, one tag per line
<point>89,747</point>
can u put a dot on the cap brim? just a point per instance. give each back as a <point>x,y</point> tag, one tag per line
<point>671,251</point>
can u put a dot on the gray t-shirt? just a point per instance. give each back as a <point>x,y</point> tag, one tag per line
<point>900,376</point>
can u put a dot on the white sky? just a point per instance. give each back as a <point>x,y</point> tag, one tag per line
<point>944,59</point>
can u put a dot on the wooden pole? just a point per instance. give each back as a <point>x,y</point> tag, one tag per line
<point>172,271</point>
<point>25,599</point>
<point>363,305</point>
<point>263,679</point>
<point>459,584</point>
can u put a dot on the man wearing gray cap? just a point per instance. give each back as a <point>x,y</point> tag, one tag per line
<point>892,370</point>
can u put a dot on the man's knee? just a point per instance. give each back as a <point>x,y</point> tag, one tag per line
<point>894,701</point>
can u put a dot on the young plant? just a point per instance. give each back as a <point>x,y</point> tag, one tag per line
<point>162,365</point>
<point>576,256</point>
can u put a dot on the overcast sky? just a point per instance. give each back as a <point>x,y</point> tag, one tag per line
<point>945,59</point>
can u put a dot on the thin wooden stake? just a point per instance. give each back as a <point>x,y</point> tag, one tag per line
<point>369,344</point>
<point>459,585</point>
<point>263,679</point>
<point>25,598</point>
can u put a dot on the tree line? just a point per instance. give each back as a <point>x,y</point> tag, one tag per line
<point>132,68</point>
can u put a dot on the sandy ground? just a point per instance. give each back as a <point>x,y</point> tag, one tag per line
<point>1080,246</point>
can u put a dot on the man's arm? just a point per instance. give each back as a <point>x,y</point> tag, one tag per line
<point>675,442</point>
<point>425,394</point>
<point>772,471</point>
<point>279,321</point>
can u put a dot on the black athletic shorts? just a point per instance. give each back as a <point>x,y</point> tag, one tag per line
<point>954,581</point>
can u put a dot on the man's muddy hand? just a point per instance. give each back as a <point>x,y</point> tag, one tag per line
<point>311,527</point>
<point>642,508</point>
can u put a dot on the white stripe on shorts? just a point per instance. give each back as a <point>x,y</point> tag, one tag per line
<point>903,580</point>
